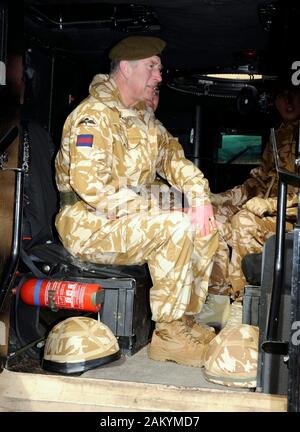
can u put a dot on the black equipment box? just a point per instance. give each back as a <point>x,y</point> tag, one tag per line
<point>126,309</point>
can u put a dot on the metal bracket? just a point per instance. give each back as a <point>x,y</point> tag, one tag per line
<point>11,169</point>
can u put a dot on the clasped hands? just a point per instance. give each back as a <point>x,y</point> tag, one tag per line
<point>268,206</point>
<point>259,206</point>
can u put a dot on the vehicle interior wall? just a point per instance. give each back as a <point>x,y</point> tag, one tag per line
<point>76,49</point>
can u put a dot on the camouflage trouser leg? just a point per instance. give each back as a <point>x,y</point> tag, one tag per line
<point>202,258</point>
<point>166,241</point>
<point>219,282</point>
<point>249,233</point>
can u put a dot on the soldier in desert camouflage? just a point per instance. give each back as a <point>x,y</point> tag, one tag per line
<point>246,214</point>
<point>112,148</point>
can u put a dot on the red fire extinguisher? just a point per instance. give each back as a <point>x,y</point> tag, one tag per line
<point>57,294</point>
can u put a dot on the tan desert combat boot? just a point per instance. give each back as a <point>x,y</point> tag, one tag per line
<point>174,342</point>
<point>202,332</point>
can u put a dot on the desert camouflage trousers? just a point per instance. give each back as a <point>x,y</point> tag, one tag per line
<point>219,281</point>
<point>179,260</point>
<point>244,234</point>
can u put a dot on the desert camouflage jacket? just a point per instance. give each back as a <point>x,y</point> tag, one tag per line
<point>264,179</point>
<point>110,152</point>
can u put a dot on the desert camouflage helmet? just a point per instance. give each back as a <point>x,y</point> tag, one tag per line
<point>78,344</point>
<point>231,358</point>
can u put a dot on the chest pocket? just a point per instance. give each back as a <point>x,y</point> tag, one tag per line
<point>139,151</point>
<point>134,137</point>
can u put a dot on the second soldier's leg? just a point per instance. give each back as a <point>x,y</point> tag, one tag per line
<point>202,259</point>
<point>219,283</point>
<point>216,309</point>
<point>249,233</point>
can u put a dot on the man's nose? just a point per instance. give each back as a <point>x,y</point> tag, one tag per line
<point>157,75</point>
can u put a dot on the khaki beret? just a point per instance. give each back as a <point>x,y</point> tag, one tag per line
<point>137,48</point>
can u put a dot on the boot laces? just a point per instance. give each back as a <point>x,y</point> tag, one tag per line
<point>184,330</point>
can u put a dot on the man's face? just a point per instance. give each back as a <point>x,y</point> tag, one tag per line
<point>143,78</point>
<point>288,105</point>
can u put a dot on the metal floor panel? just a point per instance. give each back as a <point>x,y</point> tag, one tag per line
<point>139,368</point>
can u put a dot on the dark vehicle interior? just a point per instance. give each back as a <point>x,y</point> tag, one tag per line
<point>71,44</point>
<point>63,44</point>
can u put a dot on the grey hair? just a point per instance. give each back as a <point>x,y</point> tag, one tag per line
<point>115,65</point>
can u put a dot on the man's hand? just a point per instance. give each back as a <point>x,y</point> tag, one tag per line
<point>203,219</point>
<point>257,206</point>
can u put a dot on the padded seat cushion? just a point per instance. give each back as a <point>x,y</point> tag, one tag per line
<point>251,266</point>
<point>54,253</point>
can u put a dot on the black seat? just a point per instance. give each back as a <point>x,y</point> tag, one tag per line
<point>53,259</point>
<point>252,268</point>
<point>41,204</point>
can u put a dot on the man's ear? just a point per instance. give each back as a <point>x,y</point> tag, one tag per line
<point>125,68</point>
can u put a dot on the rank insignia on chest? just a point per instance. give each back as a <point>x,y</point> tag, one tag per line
<point>84,140</point>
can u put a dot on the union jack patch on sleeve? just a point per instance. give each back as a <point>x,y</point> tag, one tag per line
<point>84,140</point>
